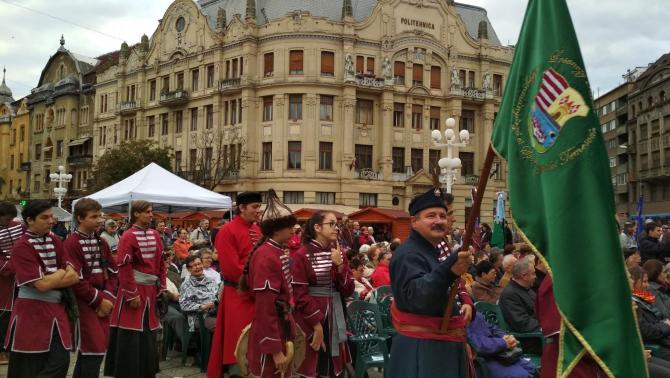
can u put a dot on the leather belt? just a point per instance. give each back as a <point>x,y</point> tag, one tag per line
<point>231,283</point>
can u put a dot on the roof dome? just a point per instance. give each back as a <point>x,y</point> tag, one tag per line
<point>5,92</point>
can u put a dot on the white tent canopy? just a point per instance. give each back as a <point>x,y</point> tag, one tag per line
<point>59,213</point>
<point>160,187</point>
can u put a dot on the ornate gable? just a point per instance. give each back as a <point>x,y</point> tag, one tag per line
<point>183,31</point>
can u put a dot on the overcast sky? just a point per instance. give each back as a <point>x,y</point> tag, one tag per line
<point>614,35</point>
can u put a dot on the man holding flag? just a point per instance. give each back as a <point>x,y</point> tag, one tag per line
<point>548,133</point>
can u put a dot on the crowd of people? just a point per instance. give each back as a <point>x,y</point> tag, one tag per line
<point>104,290</point>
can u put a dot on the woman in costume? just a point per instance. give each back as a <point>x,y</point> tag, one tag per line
<point>321,280</point>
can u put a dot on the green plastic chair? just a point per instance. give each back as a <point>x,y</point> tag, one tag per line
<point>167,339</point>
<point>380,293</point>
<point>654,348</point>
<point>204,342</point>
<point>365,325</point>
<point>493,315</point>
<point>385,313</point>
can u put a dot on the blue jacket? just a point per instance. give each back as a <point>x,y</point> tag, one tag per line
<point>485,338</point>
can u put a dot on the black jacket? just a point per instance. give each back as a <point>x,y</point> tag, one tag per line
<point>662,295</point>
<point>651,248</point>
<point>518,308</point>
<point>652,327</point>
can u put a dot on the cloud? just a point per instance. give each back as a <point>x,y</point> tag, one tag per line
<point>31,32</point>
<point>613,36</point>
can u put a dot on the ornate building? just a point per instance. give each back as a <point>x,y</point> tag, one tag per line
<point>13,144</point>
<point>326,101</point>
<point>649,139</point>
<point>61,122</point>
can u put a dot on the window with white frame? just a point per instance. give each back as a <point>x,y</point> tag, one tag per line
<point>367,200</point>
<point>294,197</point>
<point>325,198</point>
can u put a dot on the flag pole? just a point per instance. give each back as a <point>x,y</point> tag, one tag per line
<point>470,227</point>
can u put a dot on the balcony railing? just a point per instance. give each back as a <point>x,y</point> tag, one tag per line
<point>226,84</point>
<point>4,118</point>
<point>369,81</point>
<point>473,93</point>
<point>128,107</point>
<point>80,159</point>
<point>620,189</point>
<point>471,180</point>
<point>176,97</point>
<point>368,174</point>
<point>400,177</point>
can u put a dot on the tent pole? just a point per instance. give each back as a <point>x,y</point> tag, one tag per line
<point>130,214</point>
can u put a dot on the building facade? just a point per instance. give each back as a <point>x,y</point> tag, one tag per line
<point>612,109</point>
<point>325,101</point>
<point>649,135</point>
<point>14,161</point>
<point>61,123</point>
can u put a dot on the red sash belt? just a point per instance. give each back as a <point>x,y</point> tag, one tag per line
<point>427,327</point>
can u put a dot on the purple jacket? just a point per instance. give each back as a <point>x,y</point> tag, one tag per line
<point>485,338</point>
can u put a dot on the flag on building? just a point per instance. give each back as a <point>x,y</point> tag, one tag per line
<point>560,191</point>
<point>498,235</point>
<point>639,218</point>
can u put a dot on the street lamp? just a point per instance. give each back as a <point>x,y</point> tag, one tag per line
<point>449,165</point>
<point>61,177</point>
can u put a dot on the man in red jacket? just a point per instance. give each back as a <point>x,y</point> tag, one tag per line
<point>10,232</point>
<point>233,243</point>
<point>134,321</point>
<point>39,332</point>
<point>96,291</point>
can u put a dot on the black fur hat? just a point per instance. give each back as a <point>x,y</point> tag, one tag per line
<point>276,216</point>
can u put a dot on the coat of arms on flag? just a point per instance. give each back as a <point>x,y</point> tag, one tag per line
<point>555,103</point>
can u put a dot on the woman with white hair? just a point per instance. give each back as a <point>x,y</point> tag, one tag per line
<point>507,264</point>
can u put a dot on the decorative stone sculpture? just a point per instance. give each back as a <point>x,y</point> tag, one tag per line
<point>486,84</point>
<point>455,79</point>
<point>349,71</point>
<point>387,71</point>
<point>221,19</point>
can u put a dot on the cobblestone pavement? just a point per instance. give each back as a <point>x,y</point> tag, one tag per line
<point>172,368</point>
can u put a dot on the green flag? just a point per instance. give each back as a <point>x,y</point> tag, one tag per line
<point>560,191</point>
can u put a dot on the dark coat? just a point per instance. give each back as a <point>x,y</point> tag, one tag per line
<point>662,295</point>
<point>652,327</point>
<point>420,284</point>
<point>518,307</point>
<point>651,248</point>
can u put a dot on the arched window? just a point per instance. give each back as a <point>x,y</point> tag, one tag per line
<point>61,72</point>
<point>650,102</point>
<point>661,96</point>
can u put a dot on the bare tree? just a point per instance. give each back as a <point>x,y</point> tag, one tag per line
<point>218,157</point>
